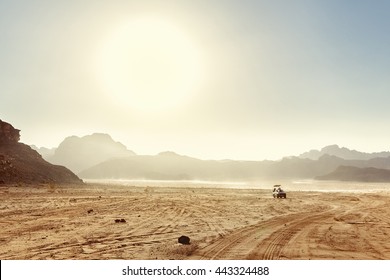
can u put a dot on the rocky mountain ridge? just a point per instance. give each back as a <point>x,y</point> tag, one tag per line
<point>19,163</point>
<point>163,167</point>
<point>79,153</point>
<point>342,152</point>
<point>352,173</point>
<point>84,156</point>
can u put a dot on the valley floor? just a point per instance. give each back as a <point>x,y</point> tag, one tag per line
<point>85,222</point>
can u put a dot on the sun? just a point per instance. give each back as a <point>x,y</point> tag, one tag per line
<point>150,64</point>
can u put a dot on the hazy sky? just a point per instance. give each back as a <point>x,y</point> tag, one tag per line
<point>210,79</point>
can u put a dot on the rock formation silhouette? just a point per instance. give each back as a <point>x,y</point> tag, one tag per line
<point>19,163</point>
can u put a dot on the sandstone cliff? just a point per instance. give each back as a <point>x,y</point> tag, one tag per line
<point>21,164</point>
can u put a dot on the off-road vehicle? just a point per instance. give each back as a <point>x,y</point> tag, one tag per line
<point>278,192</point>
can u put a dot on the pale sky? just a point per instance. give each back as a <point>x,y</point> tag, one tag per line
<point>248,80</point>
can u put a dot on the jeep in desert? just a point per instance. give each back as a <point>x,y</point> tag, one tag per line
<point>278,192</point>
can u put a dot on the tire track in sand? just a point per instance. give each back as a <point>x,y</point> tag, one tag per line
<point>264,240</point>
<point>239,243</point>
<point>274,246</point>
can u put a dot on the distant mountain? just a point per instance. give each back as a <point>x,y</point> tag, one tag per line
<point>306,168</point>
<point>351,173</point>
<point>171,166</point>
<point>19,163</point>
<point>44,152</point>
<point>344,153</point>
<point>79,153</point>
<point>97,156</point>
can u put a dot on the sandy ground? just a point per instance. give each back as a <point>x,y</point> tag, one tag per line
<point>52,222</point>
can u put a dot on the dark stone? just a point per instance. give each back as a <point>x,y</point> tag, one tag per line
<point>184,240</point>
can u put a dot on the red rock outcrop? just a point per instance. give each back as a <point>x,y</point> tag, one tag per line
<point>8,134</point>
<point>19,163</point>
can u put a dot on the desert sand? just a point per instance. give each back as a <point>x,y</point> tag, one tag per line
<point>78,222</point>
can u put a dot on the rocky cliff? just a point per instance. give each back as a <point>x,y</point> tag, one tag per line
<point>19,163</point>
<point>8,134</point>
